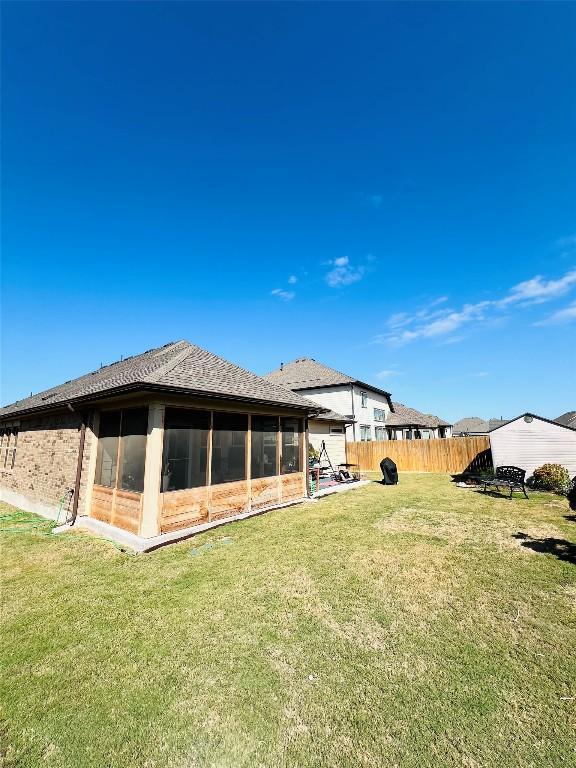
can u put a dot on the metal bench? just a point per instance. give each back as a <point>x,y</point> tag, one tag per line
<point>508,477</point>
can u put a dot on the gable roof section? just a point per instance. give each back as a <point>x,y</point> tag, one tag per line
<point>567,419</point>
<point>471,424</point>
<point>495,423</point>
<point>307,373</point>
<point>534,416</point>
<point>404,416</point>
<point>177,367</point>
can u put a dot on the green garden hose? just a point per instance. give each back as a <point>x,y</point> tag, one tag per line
<point>26,523</point>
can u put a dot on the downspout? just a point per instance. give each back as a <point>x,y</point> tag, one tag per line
<point>353,413</point>
<point>306,454</point>
<point>78,468</point>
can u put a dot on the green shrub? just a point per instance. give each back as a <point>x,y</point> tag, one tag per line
<point>551,477</point>
<point>313,454</point>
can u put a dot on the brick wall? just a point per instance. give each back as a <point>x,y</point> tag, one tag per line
<point>46,460</point>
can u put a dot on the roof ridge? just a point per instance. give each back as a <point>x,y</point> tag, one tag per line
<point>282,368</point>
<point>162,370</point>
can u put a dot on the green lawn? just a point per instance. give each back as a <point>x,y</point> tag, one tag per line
<point>388,626</point>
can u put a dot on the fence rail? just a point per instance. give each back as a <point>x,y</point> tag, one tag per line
<point>452,454</point>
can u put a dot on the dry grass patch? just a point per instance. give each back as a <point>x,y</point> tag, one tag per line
<point>384,627</point>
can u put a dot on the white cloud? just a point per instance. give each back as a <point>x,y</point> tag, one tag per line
<point>398,320</point>
<point>537,290</point>
<point>282,294</point>
<point>440,326</point>
<point>451,340</point>
<point>292,280</point>
<point>387,374</point>
<point>566,315</point>
<point>478,375</point>
<point>343,273</point>
<point>430,323</point>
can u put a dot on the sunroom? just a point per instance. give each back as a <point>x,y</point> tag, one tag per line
<point>167,466</point>
<point>150,447</point>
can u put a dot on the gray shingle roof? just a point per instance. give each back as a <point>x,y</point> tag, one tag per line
<point>333,416</point>
<point>179,366</point>
<point>568,419</point>
<point>404,416</point>
<point>495,423</point>
<point>471,424</point>
<point>307,373</point>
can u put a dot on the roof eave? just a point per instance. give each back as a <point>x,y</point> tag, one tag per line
<point>534,416</point>
<point>149,387</point>
<point>296,388</point>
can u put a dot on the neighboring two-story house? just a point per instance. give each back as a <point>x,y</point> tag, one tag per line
<point>358,411</point>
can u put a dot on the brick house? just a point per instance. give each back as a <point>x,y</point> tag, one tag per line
<point>160,442</point>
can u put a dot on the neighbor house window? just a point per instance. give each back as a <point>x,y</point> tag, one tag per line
<point>8,445</point>
<point>122,449</point>
<point>425,434</point>
<point>264,446</point>
<point>184,460</point>
<point>229,447</point>
<point>392,434</point>
<point>408,434</point>
<point>380,433</point>
<point>336,430</point>
<point>365,433</point>
<point>291,461</point>
<point>364,397</point>
<point>379,414</point>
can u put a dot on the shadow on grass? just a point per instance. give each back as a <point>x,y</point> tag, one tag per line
<point>571,518</point>
<point>504,494</point>
<point>560,548</point>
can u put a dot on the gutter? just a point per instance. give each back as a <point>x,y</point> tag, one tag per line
<point>150,387</point>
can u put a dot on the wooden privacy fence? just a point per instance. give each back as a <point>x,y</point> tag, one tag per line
<point>452,454</point>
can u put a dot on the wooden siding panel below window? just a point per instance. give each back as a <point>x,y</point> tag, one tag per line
<point>264,492</point>
<point>185,509</point>
<point>127,510</point>
<point>120,508</point>
<point>292,486</point>
<point>182,509</point>
<point>229,499</point>
<point>102,503</point>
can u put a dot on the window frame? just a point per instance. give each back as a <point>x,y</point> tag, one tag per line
<point>183,412</point>
<point>363,438</point>
<point>364,399</point>
<point>119,468</point>
<point>382,414</point>
<point>244,445</point>
<point>277,446</point>
<point>301,441</point>
<point>382,431</point>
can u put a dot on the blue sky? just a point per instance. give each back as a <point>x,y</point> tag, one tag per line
<point>388,188</point>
